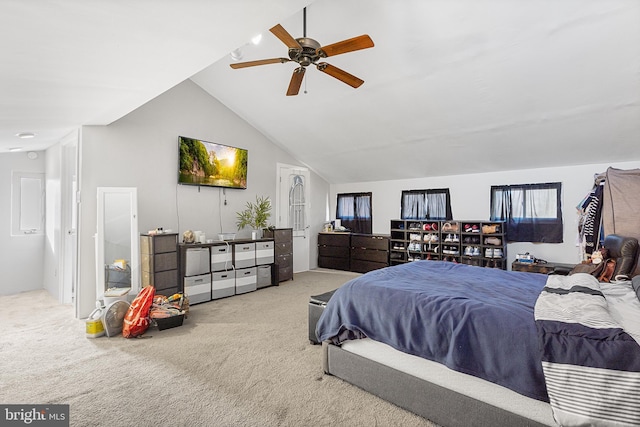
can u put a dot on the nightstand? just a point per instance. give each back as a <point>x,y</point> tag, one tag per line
<point>545,268</point>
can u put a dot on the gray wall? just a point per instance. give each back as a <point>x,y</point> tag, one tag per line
<point>141,150</point>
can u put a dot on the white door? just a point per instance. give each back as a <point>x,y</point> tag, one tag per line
<point>293,210</point>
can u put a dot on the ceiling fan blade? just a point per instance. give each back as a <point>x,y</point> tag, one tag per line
<point>349,45</point>
<point>285,37</point>
<point>339,74</point>
<point>237,65</point>
<point>296,81</point>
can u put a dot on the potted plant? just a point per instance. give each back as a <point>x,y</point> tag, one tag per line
<point>255,215</point>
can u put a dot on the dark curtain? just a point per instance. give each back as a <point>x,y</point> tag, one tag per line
<point>354,212</point>
<point>532,212</point>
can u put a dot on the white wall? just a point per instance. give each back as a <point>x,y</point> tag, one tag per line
<point>52,249</point>
<point>470,199</point>
<point>21,256</point>
<point>141,150</point>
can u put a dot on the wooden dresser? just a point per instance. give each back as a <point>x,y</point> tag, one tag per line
<point>352,251</point>
<point>369,252</point>
<point>283,251</point>
<point>333,250</point>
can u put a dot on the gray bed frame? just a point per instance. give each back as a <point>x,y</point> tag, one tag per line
<point>431,401</point>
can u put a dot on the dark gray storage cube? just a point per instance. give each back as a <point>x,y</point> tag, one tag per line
<point>264,276</point>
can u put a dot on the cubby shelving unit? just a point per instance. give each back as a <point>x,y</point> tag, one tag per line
<point>474,242</point>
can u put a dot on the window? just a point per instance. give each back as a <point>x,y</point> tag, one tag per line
<point>426,204</point>
<point>27,203</point>
<point>354,212</point>
<point>533,212</point>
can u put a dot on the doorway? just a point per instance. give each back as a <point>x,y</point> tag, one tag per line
<point>293,210</point>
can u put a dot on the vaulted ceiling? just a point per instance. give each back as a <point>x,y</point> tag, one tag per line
<point>450,87</point>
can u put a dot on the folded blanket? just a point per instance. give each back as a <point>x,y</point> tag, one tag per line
<point>591,365</point>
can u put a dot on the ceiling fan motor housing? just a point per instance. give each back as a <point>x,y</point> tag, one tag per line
<point>308,55</point>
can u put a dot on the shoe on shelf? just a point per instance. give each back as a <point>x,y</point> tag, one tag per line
<point>497,253</point>
<point>488,253</point>
<point>468,251</point>
<point>475,251</point>
<point>448,239</point>
<point>455,238</point>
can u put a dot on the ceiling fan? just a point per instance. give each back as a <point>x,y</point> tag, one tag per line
<point>306,51</point>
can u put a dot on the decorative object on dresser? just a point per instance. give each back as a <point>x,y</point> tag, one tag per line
<point>159,262</point>
<point>255,215</point>
<point>283,243</point>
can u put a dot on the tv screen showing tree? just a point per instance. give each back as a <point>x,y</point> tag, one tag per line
<point>212,164</point>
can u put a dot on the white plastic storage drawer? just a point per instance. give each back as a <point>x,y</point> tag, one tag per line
<point>198,288</point>
<point>244,255</point>
<point>223,284</point>
<point>246,280</point>
<point>221,258</point>
<point>197,261</point>
<point>264,276</point>
<point>264,253</point>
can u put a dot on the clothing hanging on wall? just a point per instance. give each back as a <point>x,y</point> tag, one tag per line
<point>589,223</point>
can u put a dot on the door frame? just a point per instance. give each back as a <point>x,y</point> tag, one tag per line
<point>68,258</point>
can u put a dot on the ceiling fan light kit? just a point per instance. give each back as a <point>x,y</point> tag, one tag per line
<point>306,51</point>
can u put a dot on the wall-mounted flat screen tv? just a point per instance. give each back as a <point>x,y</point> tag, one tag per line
<point>211,164</point>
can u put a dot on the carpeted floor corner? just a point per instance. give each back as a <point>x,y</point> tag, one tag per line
<point>239,361</point>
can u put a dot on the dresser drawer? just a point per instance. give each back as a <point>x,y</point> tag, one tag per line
<point>160,262</point>
<point>158,243</point>
<point>285,260</point>
<point>360,266</point>
<point>285,273</point>
<point>370,242</point>
<point>334,239</point>
<point>334,263</point>
<point>283,248</point>
<point>333,251</point>
<point>161,280</point>
<point>369,255</point>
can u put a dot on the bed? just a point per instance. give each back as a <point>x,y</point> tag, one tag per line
<point>464,345</point>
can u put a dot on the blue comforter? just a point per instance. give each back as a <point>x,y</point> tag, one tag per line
<point>474,320</point>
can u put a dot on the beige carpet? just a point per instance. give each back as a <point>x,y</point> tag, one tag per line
<point>239,361</point>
